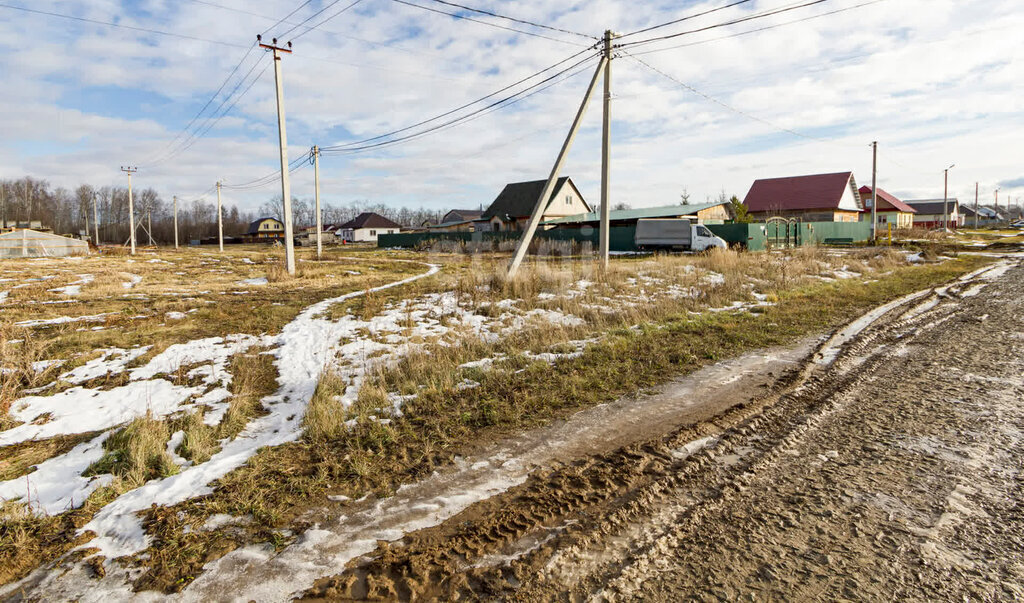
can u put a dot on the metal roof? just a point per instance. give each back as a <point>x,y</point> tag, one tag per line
<point>865,195</point>
<point>815,191</point>
<point>665,211</point>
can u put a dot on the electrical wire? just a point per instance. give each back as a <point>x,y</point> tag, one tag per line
<point>151,162</point>
<point>761,15</point>
<point>495,25</point>
<point>288,16</point>
<point>686,18</point>
<point>327,19</point>
<point>461,107</point>
<point>362,147</point>
<point>121,25</point>
<point>524,22</point>
<point>760,29</point>
<point>218,114</point>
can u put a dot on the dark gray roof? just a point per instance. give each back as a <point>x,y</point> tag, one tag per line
<point>932,206</point>
<point>368,219</point>
<point>518,199</point>
<point>467,214</point>
<point>254,226</point>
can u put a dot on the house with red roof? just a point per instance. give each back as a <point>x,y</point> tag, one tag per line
<point>890,209</point>
<point>812,198</point>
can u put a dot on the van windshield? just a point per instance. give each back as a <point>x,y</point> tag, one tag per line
<point>704,232</point>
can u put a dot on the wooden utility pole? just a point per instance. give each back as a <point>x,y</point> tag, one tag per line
<point>606,133</point>
<point>95,220</point>
<point>874,191</point>
<point>316,189</point>
<point>286,193</point>
<point>175,221</point>
<point>3,208</point>
<point>542,201</point>
<point>220,220</point>
<point>131,205</point>
<point>945,197</point>
<point>975,205</point>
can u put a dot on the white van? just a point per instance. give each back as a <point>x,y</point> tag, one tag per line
<point>674,233</point>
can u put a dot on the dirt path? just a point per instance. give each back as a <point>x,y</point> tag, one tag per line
<point>887,467</point>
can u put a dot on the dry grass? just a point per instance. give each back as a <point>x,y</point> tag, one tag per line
<point>136,454</point>
<point>20,350</point>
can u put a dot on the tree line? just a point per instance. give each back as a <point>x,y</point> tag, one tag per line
<point>70,212</point>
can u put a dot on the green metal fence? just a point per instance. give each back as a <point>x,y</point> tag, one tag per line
<point>750,236</point>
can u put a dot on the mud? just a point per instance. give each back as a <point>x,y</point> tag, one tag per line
<point>885,465</point>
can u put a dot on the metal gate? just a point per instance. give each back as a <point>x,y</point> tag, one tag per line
<point>782,233</point>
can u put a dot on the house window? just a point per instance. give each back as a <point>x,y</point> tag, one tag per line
<point>568,199</point>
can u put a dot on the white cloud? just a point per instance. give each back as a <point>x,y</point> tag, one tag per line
<point>932,80</point>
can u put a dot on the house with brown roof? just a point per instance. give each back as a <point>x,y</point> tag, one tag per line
<point>935,213</point>
<point>812,198</point>
<point>512,208</point>
<point>890,209</point>
<point>367,226</point>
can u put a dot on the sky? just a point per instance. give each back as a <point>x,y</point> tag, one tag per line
<point>801,92</point>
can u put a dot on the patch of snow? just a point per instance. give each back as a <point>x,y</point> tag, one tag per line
<point>135,280</point>
<point>57,484</point>
<point>254,282</point>
<point>112,362</point>
<point>174,316</point>
<point>63,320</point>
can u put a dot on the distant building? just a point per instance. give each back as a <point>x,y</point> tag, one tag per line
<point>462,215</point>
<point>265,228</point>
<point>890,209</point>
<point>930,212</point>
<point>367,226</point>
<point>512,208</point>
<point>813,198</point>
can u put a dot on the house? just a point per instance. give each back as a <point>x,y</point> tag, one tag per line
<point>812,198</point>
<point>890,209</point>
<point>709,213</point>
<point>367,226</point>
<point>265,228</point>
<point>512,208</point>
<point>463,215</point>
<point>930,212</point>
<point>307,237</point>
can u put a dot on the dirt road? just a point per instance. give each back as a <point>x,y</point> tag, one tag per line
<point>886,466</point>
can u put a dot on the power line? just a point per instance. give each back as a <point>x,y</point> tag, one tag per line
<point>355,147</point>
<point>315,15</point>
<point>465,18</point>
<point>325,20</point>
<point>459,108</point>
<point>760,15</point>
<point>217,114</point>
<point>288,16</point>
<point>120,25</point>
<point>686,18</point>
<point>205,107</point>
<point>760,29</point>
<point>524,22</point>
<point>584,66</point>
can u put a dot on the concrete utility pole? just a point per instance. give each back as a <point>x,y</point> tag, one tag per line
<point>95,221</point>
<point>945,197</point>
<point>175,221</point>
<point>286,193</point>
<point>996,217</point>
<point>220,220</point>
<point>131,204</point>
<point>316,189</point>
<point>874,191</point>
<point>606,141</point>
<point>975,205</point>
<point>3,208</point>
<point>542,201</point>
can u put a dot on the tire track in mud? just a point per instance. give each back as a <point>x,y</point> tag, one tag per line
<point>571,530</point>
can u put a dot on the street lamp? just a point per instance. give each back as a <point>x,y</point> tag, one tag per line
<point>945,197</point>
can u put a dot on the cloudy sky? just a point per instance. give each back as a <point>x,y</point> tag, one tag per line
<point>803,91</point>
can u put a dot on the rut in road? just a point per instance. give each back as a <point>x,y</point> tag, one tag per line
<point>590,529</point>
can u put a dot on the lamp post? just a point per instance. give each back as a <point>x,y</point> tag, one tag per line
<point>945,197</point>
